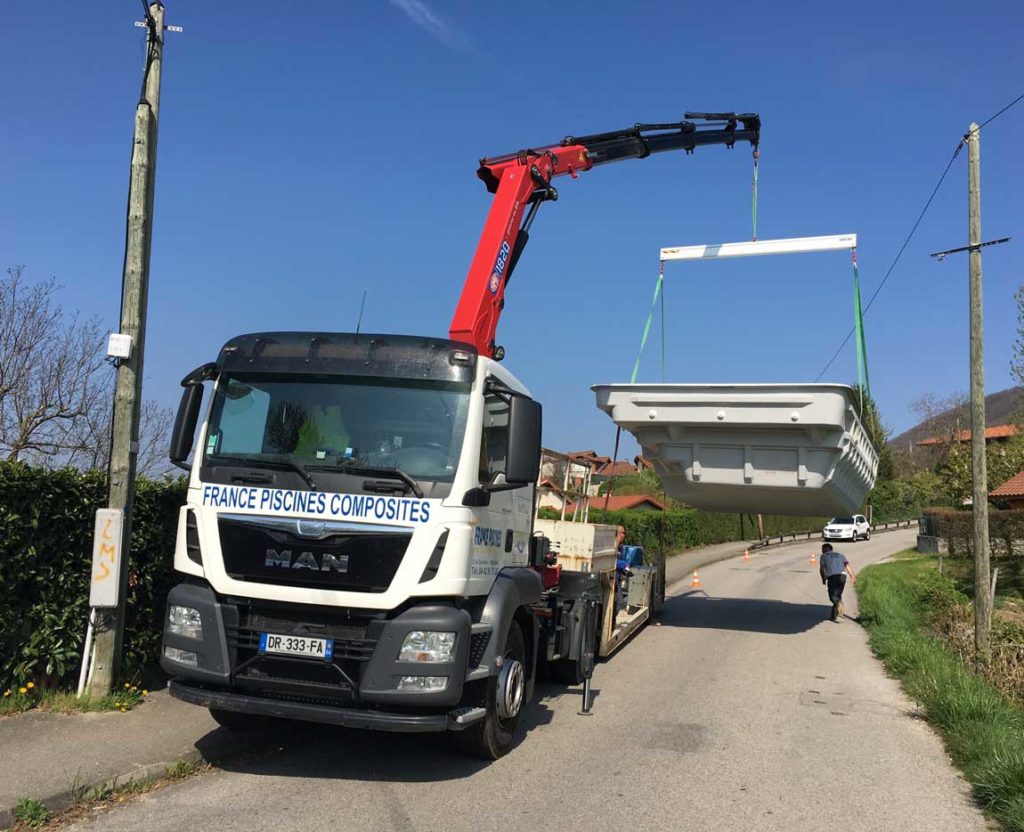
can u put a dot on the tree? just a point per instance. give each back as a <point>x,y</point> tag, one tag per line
<point>90,448</point>
<point>942,418</point>
<point>56,391</point>
<point>877,432</point>
<point>1004,460</point>
<point>1017,361</point>
<point>49,369</point>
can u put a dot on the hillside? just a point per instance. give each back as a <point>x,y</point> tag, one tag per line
<point>1000,408</point>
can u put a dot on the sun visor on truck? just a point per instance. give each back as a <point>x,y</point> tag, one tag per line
<point>350,354</point>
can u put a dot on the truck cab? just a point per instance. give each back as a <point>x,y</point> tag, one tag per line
<point>355,545</point>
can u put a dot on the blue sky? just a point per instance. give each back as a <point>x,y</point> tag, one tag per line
<point>309,151</point>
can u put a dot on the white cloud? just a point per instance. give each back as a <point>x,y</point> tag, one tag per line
<point>426,19</point>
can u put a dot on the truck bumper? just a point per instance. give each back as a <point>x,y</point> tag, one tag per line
<point>456,720</point>
<point>354,688</point>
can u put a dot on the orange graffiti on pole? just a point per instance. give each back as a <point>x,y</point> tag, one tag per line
<point>105,558</point>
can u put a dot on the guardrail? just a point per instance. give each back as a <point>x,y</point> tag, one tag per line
<point>777,539</point>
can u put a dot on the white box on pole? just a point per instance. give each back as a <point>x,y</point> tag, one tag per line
<point>107,552</point>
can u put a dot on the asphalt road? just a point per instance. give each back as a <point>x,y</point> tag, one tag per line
<point>745,709</point>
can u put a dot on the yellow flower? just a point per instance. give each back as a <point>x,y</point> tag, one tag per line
<point>7,693</point>
<point>145,693</point>
<point>30,685</point>
<point>124,710</point>
<point>126,686</point>
<point>22,690</point>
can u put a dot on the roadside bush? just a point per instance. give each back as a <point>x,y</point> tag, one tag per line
<point>686,528</point>
<point>46,525</point>
<point>899,499</point>
<point>1005,528</point>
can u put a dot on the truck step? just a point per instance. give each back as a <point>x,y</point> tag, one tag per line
<point>464,717</point>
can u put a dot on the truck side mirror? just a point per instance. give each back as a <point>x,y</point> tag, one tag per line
<point>522,464</point>
<point>183,434</point>
<point>184,430</point>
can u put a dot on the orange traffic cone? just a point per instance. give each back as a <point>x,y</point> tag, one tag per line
<point>695,583</point>
<point>746,554</point>
<point>814,559</point>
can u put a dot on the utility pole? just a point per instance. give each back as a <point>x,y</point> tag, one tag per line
<point>128,389</point>
<point>979,466</point>
<point>979,471</point>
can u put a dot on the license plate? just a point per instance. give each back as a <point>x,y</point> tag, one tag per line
<point>313,648</point>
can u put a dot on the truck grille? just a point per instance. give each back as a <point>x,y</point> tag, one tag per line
<point>477,646</point>
<point>294,677</point>
<point>271,550</point>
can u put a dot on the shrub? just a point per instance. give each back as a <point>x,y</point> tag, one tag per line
<point>1005,528</point>
<point>685,528</point>
<point>46,525</point>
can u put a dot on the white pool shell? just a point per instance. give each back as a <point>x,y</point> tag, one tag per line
<point>795,449</point>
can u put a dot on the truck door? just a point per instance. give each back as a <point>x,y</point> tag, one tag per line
<point>501,537</point>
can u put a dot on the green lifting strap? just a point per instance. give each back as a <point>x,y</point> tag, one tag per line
<point>858,324</point>
<point>753,207</point>
<point>658,293</point>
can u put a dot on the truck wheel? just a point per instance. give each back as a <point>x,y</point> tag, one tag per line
<point>493,736</point>
<point>239,722</point>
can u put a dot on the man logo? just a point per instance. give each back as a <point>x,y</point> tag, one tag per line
<point>306,560</point>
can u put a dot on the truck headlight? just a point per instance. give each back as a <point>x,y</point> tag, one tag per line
<point>184,621</point>
<point>424,683</point>
<point>428,646</point>
<point>182,656</point>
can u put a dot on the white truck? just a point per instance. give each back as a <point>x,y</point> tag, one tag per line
<point>357,543</point>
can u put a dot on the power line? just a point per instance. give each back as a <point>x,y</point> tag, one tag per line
<point>896,260</point>
<point>1007,107</point>
<point>910,236</point>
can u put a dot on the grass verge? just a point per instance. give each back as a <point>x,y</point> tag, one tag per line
<point>29,697</point>
<point>984,732</point>
<point>31,814</point>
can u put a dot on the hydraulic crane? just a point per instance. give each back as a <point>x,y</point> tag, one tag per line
<point>521,183</point>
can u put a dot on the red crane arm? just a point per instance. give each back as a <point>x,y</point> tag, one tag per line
<point>521,181</point>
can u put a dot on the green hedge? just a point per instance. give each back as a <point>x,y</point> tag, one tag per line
<point>46,522</point>
<point>689,527</point>
<point>1005,530</point>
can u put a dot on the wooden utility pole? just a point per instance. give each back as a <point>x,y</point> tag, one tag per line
<point>128,389</point>
<point>979,472</point>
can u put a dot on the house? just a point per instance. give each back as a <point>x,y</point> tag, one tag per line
<point>996,433</point>
<point>617,469</point>
<point>549,495</point>
<point>623,502</point>
<point>603,466</point>
<point>1011,492</point>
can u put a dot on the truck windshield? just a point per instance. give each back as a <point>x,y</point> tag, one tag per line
<point>334,423</point>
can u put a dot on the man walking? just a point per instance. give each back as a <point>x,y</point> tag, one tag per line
<point>834,568</point>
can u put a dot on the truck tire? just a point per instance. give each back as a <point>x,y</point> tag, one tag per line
<point>239,722</point>
<point>494,735</point>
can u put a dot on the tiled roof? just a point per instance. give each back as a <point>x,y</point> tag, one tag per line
<point>994,432</point>
<point>620,502</point>
<point>1013,487</point>
<point>617,469</point>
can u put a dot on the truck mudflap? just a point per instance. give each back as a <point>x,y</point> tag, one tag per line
<point>376,720</point>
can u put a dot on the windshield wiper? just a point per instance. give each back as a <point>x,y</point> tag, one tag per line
<point>394,473</point>
<point>270,462</point>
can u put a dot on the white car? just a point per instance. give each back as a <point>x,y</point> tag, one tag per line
<point>847,528</point>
